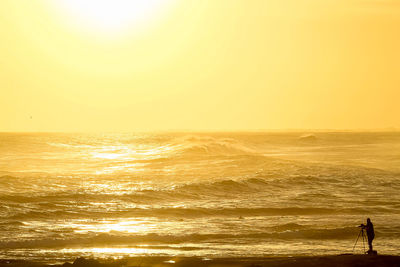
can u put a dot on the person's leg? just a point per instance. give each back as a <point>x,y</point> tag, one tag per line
<point>370,243</point>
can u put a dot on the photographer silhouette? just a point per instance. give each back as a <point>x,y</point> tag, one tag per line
<point>369,227</point>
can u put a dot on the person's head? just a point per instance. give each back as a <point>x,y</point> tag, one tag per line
<point>368,220</point>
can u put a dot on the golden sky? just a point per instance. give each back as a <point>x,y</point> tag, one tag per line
<point>120,65</point>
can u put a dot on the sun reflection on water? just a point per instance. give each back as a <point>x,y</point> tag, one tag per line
<point>128,152</point>
<point>126,226</point>
<point>119,158</point>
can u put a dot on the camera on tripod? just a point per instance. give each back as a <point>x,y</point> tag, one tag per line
<point>366,236</point>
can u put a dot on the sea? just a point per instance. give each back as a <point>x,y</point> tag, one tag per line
<point>250,194</point>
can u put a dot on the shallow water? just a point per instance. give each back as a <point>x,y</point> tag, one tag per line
<point>203,194</point>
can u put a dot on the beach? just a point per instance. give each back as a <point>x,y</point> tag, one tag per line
<point>327,261</point>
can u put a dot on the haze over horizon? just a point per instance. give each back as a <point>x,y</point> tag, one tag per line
<point>186,65</point>
<point>305,132</point>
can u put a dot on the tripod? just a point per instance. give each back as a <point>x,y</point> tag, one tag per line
<point>364,238</point>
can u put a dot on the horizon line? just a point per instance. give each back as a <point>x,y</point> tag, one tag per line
<point>360,130</point>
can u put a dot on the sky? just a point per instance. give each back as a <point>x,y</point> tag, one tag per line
<point>224,65</point>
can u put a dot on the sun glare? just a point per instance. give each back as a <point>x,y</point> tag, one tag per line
<point>111,16</point>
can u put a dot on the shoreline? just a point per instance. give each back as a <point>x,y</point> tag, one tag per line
<point>160,261</point>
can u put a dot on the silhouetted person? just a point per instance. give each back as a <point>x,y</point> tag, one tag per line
<point>369,228</point>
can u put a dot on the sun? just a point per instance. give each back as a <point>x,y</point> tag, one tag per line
<point>111,16</point>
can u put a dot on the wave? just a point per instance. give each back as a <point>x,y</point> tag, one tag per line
<point>179,145</point>
<point>11,223</point>
<point>194,190</point>
<point>117,238</point>
<point>198,145</point>
<point>308,138</point>
<point>346,181</point>
<point>170,213</point>
<point>209,198</point>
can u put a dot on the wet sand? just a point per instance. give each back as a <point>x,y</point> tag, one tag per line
<point>326,261</point>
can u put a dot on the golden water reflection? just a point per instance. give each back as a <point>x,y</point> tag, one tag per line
<point>127,226</point>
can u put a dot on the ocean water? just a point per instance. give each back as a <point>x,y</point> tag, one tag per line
<point>196,194</point>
